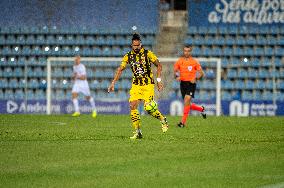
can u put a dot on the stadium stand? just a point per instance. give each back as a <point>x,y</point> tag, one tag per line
<point>262,48</point>
<point>25,48</point>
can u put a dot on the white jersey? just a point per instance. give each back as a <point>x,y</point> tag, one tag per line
<point>80,85</point>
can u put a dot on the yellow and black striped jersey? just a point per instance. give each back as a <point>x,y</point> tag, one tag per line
<point>140,65</point>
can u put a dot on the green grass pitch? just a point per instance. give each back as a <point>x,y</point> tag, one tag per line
<point>62,151</point>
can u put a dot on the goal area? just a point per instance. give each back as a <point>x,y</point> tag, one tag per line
<point>100,71</point>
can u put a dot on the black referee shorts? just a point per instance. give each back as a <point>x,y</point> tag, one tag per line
<point>187,88</point>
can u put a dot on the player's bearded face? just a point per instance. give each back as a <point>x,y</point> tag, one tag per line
<point>187,52</point>
<point>136,46</point>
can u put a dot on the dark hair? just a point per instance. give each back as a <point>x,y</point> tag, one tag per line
<point>188,46</point>
<point>136,36</point>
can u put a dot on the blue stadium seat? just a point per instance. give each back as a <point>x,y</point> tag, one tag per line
<point>2,39</point>
<point>79,40</point>
<point>86,51</point>
<point>13,83</point>
<point>40,94</point>
<point>269,84</point>
<point>196,51</point>
<point>50,40</point>
<point>248,51</point>
<point>122,94</point>
<point>223,30</point>
<point>259,51</point>
<point>8,72</point>
<point>67,73</point>
<point>227,51</point>
<point>96,51</point>
<point>36,50</point>
<point>19,94</point>
<point>8,94</point>
<point>225,62</point>
<point>279,96</point>
<point>250,40</point>
<point>20,39</point>
<point>261,40</point>
<point>230,40</point>
<point>271,40</point>
<point>192,30</point>
<point>212,30</point>
<point>94,84</point>
<point>242,73</point>
<point>6,51</point>
<point>66,51</point>
<point>116,51</point>
<point>104,84</point>
<point>264,30</point>
<point>26,50</point>
<point>252,73</point>
<point>247,95</point>
<point>257,95</point>
<point>99,73</point>
<point>239,84</point>
<point>268,51</point>
<point>11,39</point>
<point>260,84</point>
<point>33,83</point>
<point>125,84</point>
<point>219,40</point>
<point>22,83</point>
<point>90,40</point>
<point>176,85</point>
<point>249,84</point>
<point>30,40</point>
<point>238,51</point>
<point>210,73</point>
<point>279,51</point>
<point>57,72</point>
<point>217,51</point>
<point>120,40</point>
<point>40,39</point>
<point>106,51</point>
<point>30,94</point>
<point>227,84</point>
<point>263,73</point>
<point>240,40</point>
<point>232,73</point>
<point>277,62</point>
<point>70,40</point>
<point>267,95</point>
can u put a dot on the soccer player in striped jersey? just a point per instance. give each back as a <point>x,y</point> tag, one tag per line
<point>188,71</point>
<point>140,60</point>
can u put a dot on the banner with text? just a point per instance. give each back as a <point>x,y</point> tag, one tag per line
<point>168,107</point>
<point>236,12</point>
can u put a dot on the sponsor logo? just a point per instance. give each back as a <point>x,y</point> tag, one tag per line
<point>12,106</point>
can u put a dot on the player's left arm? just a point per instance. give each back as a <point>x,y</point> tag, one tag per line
<point>153,58</point>
<point>159,74</point>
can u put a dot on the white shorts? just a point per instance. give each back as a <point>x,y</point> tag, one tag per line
<point>81,87</point>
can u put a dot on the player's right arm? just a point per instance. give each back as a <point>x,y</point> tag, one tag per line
<point>118,73</point>
<point>177,71</point>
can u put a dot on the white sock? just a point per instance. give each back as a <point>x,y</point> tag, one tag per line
<point>139,131</point>
<point>76,104</point>
<point>92,102</point>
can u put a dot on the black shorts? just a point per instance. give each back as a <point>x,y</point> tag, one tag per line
<point>187,88</point>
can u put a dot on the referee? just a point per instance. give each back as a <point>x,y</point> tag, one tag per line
<point>187,70</point>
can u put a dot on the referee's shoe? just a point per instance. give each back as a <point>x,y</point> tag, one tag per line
<point>203,113</point>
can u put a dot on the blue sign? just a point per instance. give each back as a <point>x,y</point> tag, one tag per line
<point>168,107</point>
<point>236,12</point>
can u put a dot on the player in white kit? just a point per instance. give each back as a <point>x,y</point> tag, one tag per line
<point>81,85</point>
